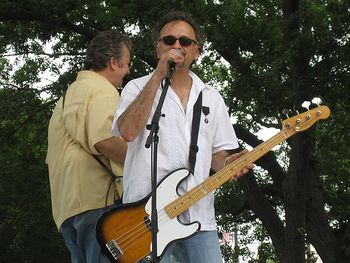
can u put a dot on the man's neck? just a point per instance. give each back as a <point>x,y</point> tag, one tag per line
<point>181,84</point>
<point>181,80</point>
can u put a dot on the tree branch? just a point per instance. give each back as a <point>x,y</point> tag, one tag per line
<point>262,208</point>
<point>267,162</point>
<point>53,20</point>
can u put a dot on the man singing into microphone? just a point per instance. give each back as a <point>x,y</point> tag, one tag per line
<point>179,42</point>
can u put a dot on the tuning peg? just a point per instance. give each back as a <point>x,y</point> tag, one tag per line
<point>286,113</point>
<point>306,105</point>
<point>317,101</point>
<point>296,109</point>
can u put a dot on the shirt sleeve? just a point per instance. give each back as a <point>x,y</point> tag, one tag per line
<point>99,120</point>
<point>225,136</point>
<point>129,94</point>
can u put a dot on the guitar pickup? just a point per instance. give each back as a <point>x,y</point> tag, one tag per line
<point>114,249</point>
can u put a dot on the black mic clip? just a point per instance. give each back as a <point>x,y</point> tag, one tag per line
<point>171,68</point>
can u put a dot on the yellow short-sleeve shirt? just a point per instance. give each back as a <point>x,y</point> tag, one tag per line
<point>77,181</point>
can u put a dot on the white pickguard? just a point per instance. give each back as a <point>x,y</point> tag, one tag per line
<point>169,229</point>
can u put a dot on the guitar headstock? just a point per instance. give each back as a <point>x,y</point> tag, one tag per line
<point>305,120</point>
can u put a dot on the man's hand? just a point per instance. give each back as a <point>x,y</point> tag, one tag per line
<point>234,157</point>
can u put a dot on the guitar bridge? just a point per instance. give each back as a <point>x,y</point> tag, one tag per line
<point>114,249</point>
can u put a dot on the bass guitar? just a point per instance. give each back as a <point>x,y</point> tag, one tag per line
<point>124,232</point>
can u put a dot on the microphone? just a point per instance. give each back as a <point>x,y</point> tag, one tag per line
<point>171,64</point>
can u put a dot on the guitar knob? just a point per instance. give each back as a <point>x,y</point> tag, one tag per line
<point>148,258</point>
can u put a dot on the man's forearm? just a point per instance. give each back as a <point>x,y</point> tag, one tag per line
<point>133,121</point>
<point>113,148</point>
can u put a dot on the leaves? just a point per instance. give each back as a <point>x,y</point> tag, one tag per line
<point>261,56</point>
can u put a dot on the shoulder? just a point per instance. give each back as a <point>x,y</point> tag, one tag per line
<point>94,83</point>
<point>212,93</point>
<point>135,86</point>
<point>209,93</point>
<point>138,82</point>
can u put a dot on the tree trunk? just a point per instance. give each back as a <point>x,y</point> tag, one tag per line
<point>295,191</point>
<point>319,233</point>
<point>295,184</point>
<point>318,230</point>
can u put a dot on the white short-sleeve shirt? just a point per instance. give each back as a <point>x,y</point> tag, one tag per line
<point>174,143</point>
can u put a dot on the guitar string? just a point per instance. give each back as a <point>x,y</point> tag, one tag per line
<point>144,226</point>
<point>132,231</point>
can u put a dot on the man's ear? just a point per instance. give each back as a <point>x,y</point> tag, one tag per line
<point>200,50</point>
<point>198,53</point>
<point>113,63</point>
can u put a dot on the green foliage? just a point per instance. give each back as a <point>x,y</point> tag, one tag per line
<point>333,152</point>
<point>265,254</point>
<point>27,231</point>
<point>259,59</point>
<point>229,254</point>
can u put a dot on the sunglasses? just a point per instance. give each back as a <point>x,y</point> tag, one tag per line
<point>184,41</point>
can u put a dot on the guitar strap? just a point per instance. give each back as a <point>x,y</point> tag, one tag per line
<point>109,171</point>
<point>194,132</point>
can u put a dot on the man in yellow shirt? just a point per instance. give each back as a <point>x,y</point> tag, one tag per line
<point>79,128</point>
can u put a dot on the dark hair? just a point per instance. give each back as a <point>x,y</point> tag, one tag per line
<point>183,16</point>
<point>104,45</point>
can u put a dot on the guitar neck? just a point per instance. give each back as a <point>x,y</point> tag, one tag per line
<point>185,201</point>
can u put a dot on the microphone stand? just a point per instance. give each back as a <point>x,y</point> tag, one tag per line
<point>153,139</point>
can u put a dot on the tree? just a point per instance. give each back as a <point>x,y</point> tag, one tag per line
<point>277,54</point>
<point>277,69</point>
<point>27,233</point>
